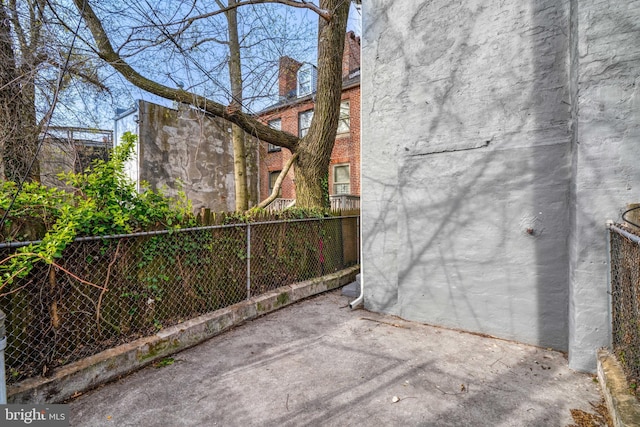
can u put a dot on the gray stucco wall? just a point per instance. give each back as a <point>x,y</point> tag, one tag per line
<point>607,158</point>
<point>472,174</point>
<point>195,148</point>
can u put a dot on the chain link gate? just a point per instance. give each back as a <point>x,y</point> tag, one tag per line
<point>625,298</point>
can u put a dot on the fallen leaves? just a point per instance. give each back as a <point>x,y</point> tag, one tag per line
<point>600,418</point>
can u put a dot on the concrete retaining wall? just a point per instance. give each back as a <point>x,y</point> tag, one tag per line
<point>110,364</point>
<point>624,407</point>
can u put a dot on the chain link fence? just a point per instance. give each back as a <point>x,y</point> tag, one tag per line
<point>110,290</point>
<point>625,298</point>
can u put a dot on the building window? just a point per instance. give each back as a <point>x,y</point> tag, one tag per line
<point>341,180</point>
<point>274,124</point>
<point>273,176</point>
<point>343,124</point>
<point>307,77</point>
<point>304,122</point>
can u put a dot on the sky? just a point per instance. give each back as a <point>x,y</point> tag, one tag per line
<point>305,15</point>
<point>87,110</point>
<point>355,20</point>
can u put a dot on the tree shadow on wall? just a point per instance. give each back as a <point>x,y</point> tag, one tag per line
<point>481,207</point>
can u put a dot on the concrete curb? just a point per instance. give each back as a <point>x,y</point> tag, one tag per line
<point>623,406</point>
<point>108,365</point>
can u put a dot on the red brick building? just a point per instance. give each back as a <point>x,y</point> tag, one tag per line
<point>293,114</point>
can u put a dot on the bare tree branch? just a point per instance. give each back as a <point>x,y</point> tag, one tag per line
<point>302,4</point>
<point>36,11</point>
<point>72,69</point>
<point>276,185</point>
<point>234,115</point>
<point>207,40</point>
<point>17,27</point>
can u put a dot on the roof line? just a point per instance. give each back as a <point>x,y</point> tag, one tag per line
<point>302,100</point>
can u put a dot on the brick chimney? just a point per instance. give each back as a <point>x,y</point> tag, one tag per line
<point>351,56</point>
<point>287,76</point>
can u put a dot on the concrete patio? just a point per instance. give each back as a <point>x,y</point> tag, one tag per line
<point>319,363</point>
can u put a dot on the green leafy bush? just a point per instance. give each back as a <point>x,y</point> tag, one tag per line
<point>103,201</point>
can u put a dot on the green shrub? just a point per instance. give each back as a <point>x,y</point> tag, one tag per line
<point>103,201</point>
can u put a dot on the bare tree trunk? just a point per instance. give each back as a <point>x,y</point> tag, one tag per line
<point>27,152</point>
<point>278,184</point>
<point>312,166</point>
<point>9,88</point>
<point>235,76</point>
<point>18,135</point>
<point>240,169</point>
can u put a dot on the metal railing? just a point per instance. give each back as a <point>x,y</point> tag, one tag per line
<point>109,290</point>
<point>625,298</point>
<point>281,204</point>
<point>345,202</point>
<point>342,202</point>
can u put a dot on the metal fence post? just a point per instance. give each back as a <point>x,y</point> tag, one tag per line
<point>248,261</point>
<point>609,223</point>
<point>3,345</point>
<point>358,240</point>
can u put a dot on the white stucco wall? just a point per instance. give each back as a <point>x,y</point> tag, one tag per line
<point>128,122</point>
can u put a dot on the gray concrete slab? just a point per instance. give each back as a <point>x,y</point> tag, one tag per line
<point>319,363</point>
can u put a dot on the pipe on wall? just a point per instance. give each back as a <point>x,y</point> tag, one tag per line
<point>356,302</point>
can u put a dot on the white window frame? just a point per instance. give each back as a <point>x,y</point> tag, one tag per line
<point>339,186</point>
<point>344,123</point>
<point>306,80</point>
<point>274,124</point>
<point>302,131</point>
<point>274,174</point>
